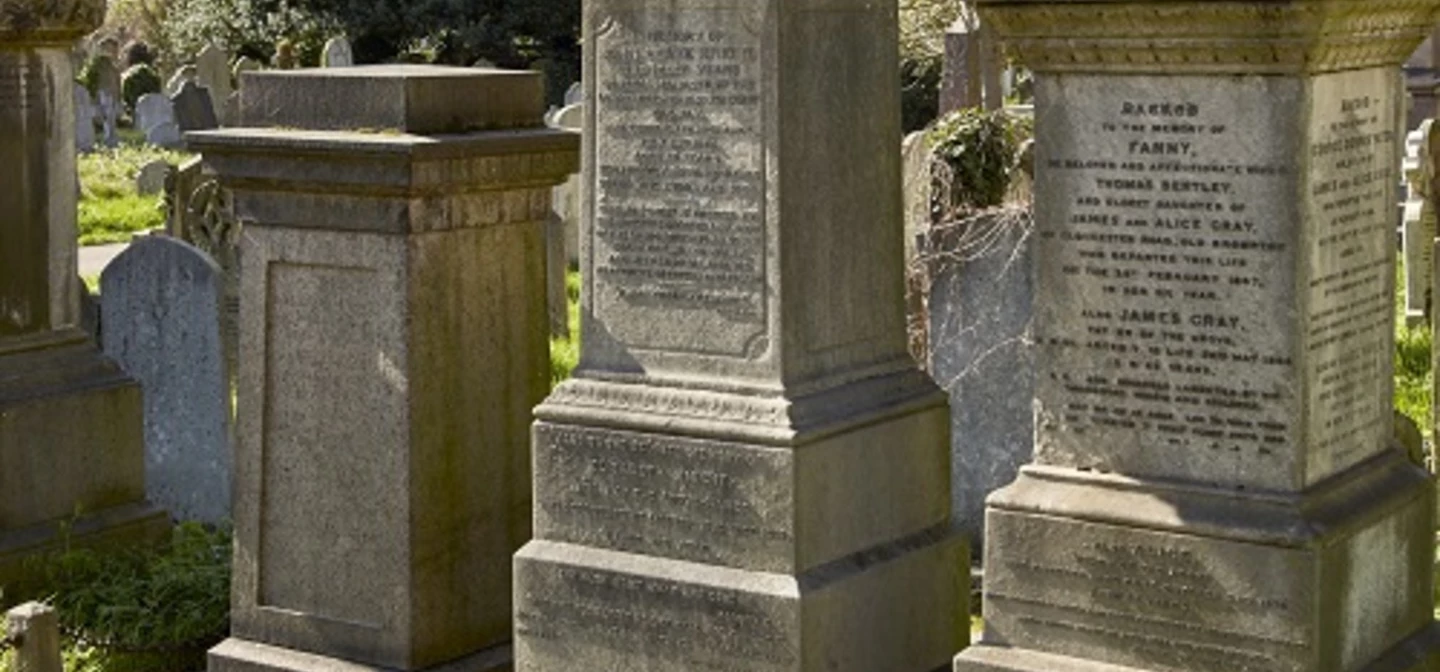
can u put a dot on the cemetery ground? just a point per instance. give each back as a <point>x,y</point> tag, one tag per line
<point>110,209</point>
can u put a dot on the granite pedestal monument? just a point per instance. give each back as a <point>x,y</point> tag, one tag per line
<point>392,345</point>
<point>1215,484</point>
<point>747,472</point>
<point>70,433</point>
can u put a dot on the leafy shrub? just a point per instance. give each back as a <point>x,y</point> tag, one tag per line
<point>978,152</point>
<point>153,609</point>
<point>136,53</point>
<point>138,81</point>
<point>245,27</point>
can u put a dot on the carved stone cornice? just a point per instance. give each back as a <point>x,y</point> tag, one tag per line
<point>1210,36</point>
<point>42,21</point>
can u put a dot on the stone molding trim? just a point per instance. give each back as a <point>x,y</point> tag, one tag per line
<point>1210,37</point>
<point>41,21</point>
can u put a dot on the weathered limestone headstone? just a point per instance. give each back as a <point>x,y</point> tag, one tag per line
<point>194,109</point>
<point>108,100</point>
<point>155,116</point>
<point>151,178</point>
<point>337,54</point>
<point>748,471</point>
<point>1216,483</point>
<point>1418,234</point>
<point>981,351</point>
<point>567,196</point>
<point>212,71</point>
<point>160,304</point>
<point>973,65</point>
<point>915,160</point>
<point>177,81</point>
<point>243,65</point>
<point>35,629</point>
<point>70,436</point>
<point>393,334</point>
<point>84,120</point>
<point>575,94</point>
<point>153,109</point>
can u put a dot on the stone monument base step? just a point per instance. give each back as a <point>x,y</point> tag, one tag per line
<point>238,655</point>
<point>119,526</point>
<point>1137,575</point>
<point>1419,653</point>
<point>584,608</point>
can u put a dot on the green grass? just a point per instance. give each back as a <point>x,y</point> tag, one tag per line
<point>565,352</point>
<point>110,210</point>
<point>1414,381</point>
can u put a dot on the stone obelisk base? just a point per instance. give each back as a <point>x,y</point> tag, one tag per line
<point>72,462</point>
<point>238,655</point>
<point>671,550</point>
<point>1096,573</point>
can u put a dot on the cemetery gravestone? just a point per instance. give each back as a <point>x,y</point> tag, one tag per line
<point>152,176</point>
<point>212,72</point>
<point>160,304</point>
<point>337,54</point>
<point>177,81</point>
<point>394,348</point>
<point>108,100</point>
<point>710,488</point>
<point>1418,235</point>
<point>567,196</point>
<point>193,108</point>
<point>981,351</point>
<point>70,435</point>
<point>575,94</point>
<point>242,66</point>
<point>153,109</point>
<point>973,64</point>
<point>84,120</point>
<point>1216,484</point>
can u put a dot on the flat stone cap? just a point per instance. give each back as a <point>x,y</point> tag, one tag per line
<point>415,99</point>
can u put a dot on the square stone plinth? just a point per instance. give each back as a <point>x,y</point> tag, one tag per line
<point>1095,573</point>
<point>408,98</point>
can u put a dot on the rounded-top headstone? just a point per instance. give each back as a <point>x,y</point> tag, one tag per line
<point>160,311</point>
<point>177,81</point>
<point>152,110</point>
<point>571,117</point>
<point>337,54</point>
<point>575,94</point>
<point>212,71</point>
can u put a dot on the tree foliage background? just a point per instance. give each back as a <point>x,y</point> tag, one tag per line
<point>540,34</point>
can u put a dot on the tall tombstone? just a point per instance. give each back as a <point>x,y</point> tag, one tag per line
<point>212,71</point>
<point>1216,485</point>
<point>392,344</point>
<point>70,435</point>
<point>108,100</point>
<point>973,65</point>
<point>1418,233</point>
<point>84,120</point>
<point>194,108</point>
<point>747,472</point>
<point>160,304</point>
<point>980,349</point>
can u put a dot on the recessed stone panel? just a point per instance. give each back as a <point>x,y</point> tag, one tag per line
<point>679,246</point>
<point>691,499</point>
<point>1349,291</point>
<point>1166,307</point>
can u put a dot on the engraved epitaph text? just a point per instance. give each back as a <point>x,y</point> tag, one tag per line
<point>1166,271</point>
<point>678,251</point>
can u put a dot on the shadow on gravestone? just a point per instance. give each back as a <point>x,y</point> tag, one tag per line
<point>980,351</point>
<point>160,307</point>
<point>194,110</point>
